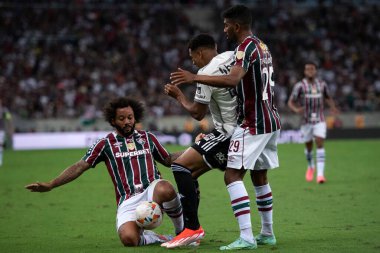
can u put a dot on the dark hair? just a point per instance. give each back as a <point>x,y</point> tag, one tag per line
<point>311,63</point>
<point>241,14</point>
<point>109,110</point>
<point>201,40</point>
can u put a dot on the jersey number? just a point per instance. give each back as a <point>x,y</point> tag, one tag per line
<point>267,74</point>
<point>234,146</point>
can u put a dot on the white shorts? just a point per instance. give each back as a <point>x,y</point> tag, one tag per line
<point>126,210</point>
<point>308,131</point>
<point>253,152</point>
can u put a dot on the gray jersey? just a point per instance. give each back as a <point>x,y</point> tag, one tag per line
<point>222,101</point>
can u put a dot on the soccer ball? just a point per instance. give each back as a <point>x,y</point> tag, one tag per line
<point>148,215</point>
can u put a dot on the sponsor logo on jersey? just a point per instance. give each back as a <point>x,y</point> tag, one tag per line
<point>133,153</point>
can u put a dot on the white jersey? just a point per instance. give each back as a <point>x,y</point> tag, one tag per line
<point>222,101</point>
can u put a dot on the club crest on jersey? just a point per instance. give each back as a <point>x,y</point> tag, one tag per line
<point>141,141</point>
<point>239,55</point>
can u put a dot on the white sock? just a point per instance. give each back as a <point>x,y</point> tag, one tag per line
<point>264,201</point>
<point>173,209</point>
<point>320,161</point>
<point>240,206</point>
<point>150,237</point>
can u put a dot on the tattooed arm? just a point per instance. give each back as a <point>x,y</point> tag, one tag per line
<point>68,175</point>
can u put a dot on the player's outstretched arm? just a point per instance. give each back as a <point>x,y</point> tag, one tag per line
<point>229,81</point>
<point>68,175</point>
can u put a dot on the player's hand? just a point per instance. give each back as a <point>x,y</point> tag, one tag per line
<point>172,90</point>
<point>334,111</point>
<point>181,76</point>
<point>39,187</point>
<point>199,137</point>
<point>299,110</point>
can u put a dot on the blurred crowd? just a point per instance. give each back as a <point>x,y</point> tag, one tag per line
<point>64,59</point>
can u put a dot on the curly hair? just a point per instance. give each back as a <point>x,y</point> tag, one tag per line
<point>109,110</point>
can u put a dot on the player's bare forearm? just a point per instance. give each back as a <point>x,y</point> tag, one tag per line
<point>293,107</point>
<point>229,81</point>
<point>68,175</point>
<point>172,157</point>
<point>332,106</point>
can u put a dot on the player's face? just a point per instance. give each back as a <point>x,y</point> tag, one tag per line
<point>196,57</point>
<point>310,71</point>
<point>124,121</point>
<point>230,30</point>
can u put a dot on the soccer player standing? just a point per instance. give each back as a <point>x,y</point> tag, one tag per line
<point>211,151</point>
<point>308,98</point>
<point>5,124</point>
<point>253,145</point>
<point>130,157</point>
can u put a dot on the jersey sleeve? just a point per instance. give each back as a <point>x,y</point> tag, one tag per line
<point>245,54</point>
<point>95,154</point>
<point>296,92</point>
<point>159,152</point>
<point>326,90</point>
<point>203,94</point>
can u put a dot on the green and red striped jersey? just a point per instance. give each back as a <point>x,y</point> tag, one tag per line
<point>312,97</point>
<point>257,110</point>
<point>130,161</point>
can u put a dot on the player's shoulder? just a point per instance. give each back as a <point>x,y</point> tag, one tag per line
<point>221,59</point>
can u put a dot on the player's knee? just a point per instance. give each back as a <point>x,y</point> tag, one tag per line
<point>129,240</point>
<point>165,190</point>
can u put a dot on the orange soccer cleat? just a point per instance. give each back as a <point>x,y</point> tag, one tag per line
<point>187,237</point>
<point>309,174</point>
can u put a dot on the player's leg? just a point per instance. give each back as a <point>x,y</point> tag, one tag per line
<point>264,199</point>
<point>129,233</point>
<point>240,144</point>
<point>166,196</point>
<point>307,135</point>
<point>183,167</point>
<point>2,138</point>
<point>319,135</point>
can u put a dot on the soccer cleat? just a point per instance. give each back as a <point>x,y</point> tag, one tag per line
<point>266,239</point>
<point>240,243</point>
<point>157,238</point>
<point>195,244</point>
<point>186,238</point>
<point>309,174</point>
<point>321,179</point>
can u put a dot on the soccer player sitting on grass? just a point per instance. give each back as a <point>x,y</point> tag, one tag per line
<point>130,157</point>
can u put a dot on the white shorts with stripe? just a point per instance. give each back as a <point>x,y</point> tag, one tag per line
<point>309,131</point>
<point>126,210</point>
<point>253,152</point>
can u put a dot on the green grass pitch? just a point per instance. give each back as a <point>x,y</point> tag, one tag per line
<point>342,215</point>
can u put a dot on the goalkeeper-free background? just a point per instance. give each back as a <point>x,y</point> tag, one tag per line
<point>342,215</point>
